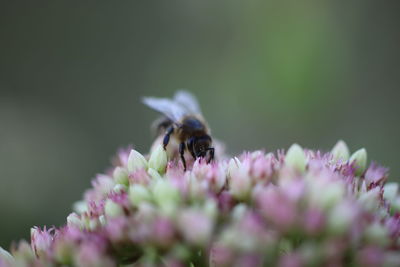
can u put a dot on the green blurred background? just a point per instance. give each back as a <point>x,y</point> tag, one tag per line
<point>266,74</point>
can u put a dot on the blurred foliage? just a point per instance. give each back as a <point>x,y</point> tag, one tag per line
<point>267,74</point>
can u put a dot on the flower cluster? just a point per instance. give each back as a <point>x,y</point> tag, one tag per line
<point>298,208</point>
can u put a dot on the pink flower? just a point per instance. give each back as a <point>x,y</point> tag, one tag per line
<point>116,229</point>
<point>276,207</point>
<point>375,175</point>
<point>41,241</point>
<point>163,232</point>
<point>102,185</point>
<point>139,177</point>
<point>314,221</point>
<point>195,226</point>
<point>91,254</point>
<point>213,174</point>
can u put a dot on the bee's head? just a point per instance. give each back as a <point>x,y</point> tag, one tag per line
<point>202,145</point>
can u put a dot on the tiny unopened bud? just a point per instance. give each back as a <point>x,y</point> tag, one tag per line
<point>138,193</point>
<point>296,158</point>
<point>359,159</point>
<point>112,209</point>
<point>240,184</point>
<point>340,151</point>
<point>233,166</point>
<point>136,161</point>
<point>121,176</point>
<point>390,191</point>
<point>74,220</point>
<point>158,159</point>
<point>80,207</point>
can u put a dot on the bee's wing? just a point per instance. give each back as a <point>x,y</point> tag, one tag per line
<point>187,101</point>
<point>169,108</point>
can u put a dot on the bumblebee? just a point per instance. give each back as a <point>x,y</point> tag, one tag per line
<point>183,120</point>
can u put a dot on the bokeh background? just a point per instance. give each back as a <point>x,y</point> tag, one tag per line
<point>266,74</point>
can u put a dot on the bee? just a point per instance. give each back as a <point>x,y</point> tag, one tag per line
<point>184,121</point>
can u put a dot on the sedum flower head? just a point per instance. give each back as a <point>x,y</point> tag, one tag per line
<point>302,208</point>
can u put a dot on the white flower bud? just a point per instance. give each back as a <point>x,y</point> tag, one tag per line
<point>359,158</point>
<point>233,166</point>
<point>136,161</point>
<point>296,158</point>
<point>210,209</point>
<point>158,159</point>
<point>239,211</point>
<point>93,224</point>
<point>196,188</point>
<point>341,216</point>
<point>390,191</point>
<point>370,200</point>
<point>377,234</point>
<point>119,188</point>
<point>74,220</point>
<point>138,193</point>
<point>112,209</point>
<point>326,194</point>
<point>6,257</point>
<point>153,174</point>
<point>102,220</point>
<point>80,207</point>
<point>166,196</point>
<point>240,184</point>
<point>340,151</point>
<point>121,175</point>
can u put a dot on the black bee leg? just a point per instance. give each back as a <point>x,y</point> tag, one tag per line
<point>181,152</point>
<point>190,146</point>
<point>167,135</point>
<point>211,149</point>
